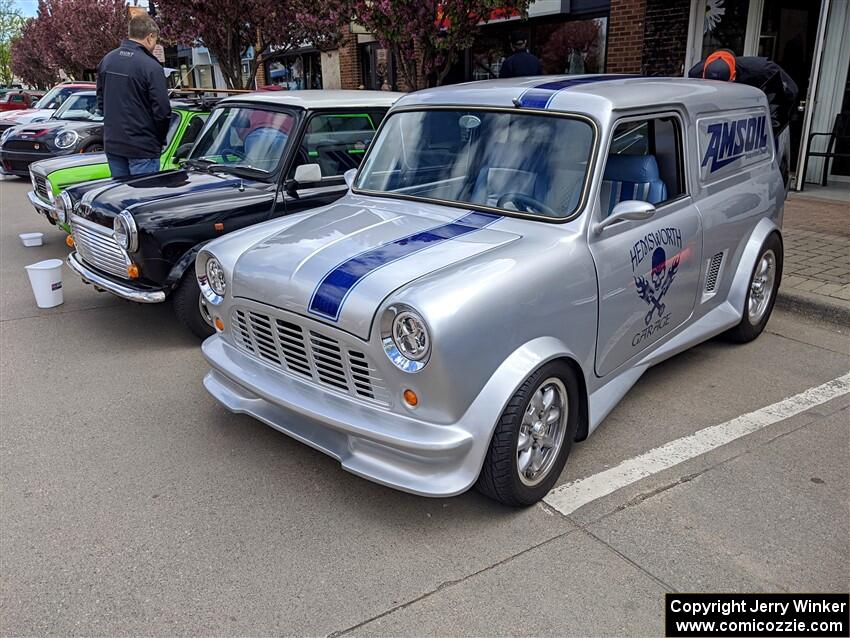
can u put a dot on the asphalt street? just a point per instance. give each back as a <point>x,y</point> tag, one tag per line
<point>132,503</point>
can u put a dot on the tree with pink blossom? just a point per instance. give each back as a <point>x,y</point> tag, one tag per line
<point>427,36</point>
<point>29,60</point>
<point>230,28</point>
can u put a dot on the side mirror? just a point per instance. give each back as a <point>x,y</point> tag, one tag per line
<point>349,176</point>
<point>182,152</point>
<point>628,210</point>
<point>308,174</point>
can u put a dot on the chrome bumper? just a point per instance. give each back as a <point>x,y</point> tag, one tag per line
<point>386,447</point>
<point>40,206</point>
<point>120,290</point>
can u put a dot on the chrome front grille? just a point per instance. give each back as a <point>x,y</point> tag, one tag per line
<point>97,248</point>
<point>40,185</point>
<point>308,354</point>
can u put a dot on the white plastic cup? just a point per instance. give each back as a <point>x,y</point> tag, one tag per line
<point>46,281</point>
<point>31,239</point>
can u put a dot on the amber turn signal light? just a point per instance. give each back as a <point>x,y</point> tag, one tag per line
<point>133,271</point>
<point>69,241</point>
<point>410,398</point>
<point>219,324</point>
<point>218,226</point>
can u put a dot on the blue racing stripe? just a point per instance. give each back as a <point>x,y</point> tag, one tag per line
<point>539,97</point>
<point>332,291</point>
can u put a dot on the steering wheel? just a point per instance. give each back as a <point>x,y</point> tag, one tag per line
<point>526,204</point>
<point>232,151</point>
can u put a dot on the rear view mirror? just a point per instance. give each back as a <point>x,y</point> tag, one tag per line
<point>628,210</point>
<point>308,174</point>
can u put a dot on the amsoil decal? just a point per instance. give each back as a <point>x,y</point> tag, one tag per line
<point>651,253</point>
<point>56,285</point>
<point>725,142</point>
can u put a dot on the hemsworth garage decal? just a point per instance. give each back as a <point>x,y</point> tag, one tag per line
<point>733,140</point>
<point>651,252</point>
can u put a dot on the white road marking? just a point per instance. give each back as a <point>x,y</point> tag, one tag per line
<point>569,497</point>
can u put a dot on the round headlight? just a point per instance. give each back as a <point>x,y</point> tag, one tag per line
<point>66,139</point>
<point>6,134</point>
<point>124,231</point>
<point>215,276</point>
<point>410,335</point>
<point>65,206</point>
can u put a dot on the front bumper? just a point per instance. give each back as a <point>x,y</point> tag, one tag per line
<point>42,207</point>
<point>18,162</point>
<point>388,448</point>
<point>98,280</point>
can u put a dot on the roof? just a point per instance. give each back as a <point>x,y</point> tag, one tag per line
<point>319,99</point>
<point>591,94</point>
<point>74,85</point>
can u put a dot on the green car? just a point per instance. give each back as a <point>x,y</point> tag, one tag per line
<point>51,176</point>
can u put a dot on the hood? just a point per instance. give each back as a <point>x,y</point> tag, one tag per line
<point>48,166</point>
<point>52,127</point>
<point>146,195</point>
<point>26,116</point>
<point>340,263</point>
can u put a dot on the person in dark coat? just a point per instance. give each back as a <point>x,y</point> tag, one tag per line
<point>520,63</point>
<point>755,71</point>
<point>133,96</point>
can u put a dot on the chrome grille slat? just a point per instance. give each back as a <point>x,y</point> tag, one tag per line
<point>307,353</point>
<point>40,184</point>
<point>96,247</point>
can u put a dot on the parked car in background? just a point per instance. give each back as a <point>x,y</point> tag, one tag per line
<point>259,156</point>
<point>51,176</point>
<point>45,107</point>
<point>512,257</point>
<point>75,127</point>
<point>18,99</point>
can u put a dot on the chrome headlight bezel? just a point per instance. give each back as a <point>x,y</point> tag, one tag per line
<point>6,134</point>
<point>212,280</point>
<point>64,208</point>
<point>64,144</point>
<point>124,231</point>
<point>406,338</point>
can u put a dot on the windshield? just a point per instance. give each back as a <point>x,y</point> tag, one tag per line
<point>244,137</point>
<point>513,161</point>
<point>80,106</point>
<point>54,97</point>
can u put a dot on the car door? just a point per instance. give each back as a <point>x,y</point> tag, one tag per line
<point>336,141</point>
<point>647,270</point>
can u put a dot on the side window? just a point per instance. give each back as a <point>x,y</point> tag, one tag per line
<point>17,98</point>
<point>644,163</point>
<point>336,141</point>
<point>193,129</point>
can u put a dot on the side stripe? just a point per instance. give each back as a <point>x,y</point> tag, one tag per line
<point>330,294</point>
<point>539,97</point>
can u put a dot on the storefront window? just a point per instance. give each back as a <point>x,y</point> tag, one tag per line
<point>294,72</point>
<point>724,26</point>
<point>571,47</point>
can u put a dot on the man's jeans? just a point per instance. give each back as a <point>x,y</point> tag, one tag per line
<point>125,166</point>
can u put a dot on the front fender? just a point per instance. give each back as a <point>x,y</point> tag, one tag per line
<point>183,264</point>
<point>487,408</point>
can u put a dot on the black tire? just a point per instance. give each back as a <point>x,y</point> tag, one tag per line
<point>747,330</point>
<point>186,300</point>
<point>499,478</point>
<point>94,147</point>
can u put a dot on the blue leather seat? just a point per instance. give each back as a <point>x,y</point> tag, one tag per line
<point>631,177</point>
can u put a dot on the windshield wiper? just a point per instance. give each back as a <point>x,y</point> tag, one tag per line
<point>200,164</point>
<point>235,169</point>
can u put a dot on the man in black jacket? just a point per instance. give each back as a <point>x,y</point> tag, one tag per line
<point>132,95</point>
<point>520,63</point>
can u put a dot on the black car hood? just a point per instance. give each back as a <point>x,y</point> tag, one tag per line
<point>52,127</point>
<point>152,199</point>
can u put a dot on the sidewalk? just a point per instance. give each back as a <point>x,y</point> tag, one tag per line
<point>816,277</point>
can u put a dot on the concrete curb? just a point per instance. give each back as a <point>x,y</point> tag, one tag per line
<point>813,305</point>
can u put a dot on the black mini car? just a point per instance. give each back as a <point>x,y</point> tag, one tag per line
<point>259,156</point>
<point>75,127</point>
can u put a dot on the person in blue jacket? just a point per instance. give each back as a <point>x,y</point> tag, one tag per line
<point>520,63</point>
<point>133,96</point>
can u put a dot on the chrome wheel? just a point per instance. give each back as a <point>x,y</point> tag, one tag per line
<point>761,287</point>
<point>205,312</point>
<point>541,434</point>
